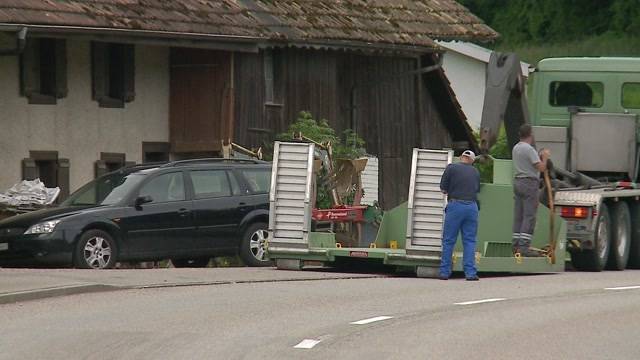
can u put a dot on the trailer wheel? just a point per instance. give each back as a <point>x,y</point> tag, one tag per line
<point>596,259</point>
<point>634,251</point>
<point>620,236</point>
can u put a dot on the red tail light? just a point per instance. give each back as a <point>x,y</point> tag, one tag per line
<point>577,212</point>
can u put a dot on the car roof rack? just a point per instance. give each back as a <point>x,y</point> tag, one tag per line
<point>211,160</point>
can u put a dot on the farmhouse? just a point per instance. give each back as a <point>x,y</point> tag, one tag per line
<point>89,86</point>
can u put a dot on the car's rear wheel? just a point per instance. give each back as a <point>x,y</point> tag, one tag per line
<point>190,263</point>
<point>96,249</point>
<point>254,245</point>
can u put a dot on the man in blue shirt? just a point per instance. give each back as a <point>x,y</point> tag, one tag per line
<point>461,183</point>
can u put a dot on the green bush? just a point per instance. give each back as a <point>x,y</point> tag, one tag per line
<point>347,146</point>
<point>499,151</point>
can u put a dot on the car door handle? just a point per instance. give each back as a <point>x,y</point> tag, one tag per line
<point>243,207</point>
<point>184,212</point>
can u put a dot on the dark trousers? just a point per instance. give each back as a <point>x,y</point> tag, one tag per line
<point>524,212</point>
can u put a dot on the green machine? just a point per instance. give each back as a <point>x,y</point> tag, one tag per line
<point>409,236</point>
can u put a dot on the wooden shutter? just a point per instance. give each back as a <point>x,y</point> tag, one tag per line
<point>100,70</point>
<point>30,68</point>
<point>129,58</point>
<point>100,168</point>
<point>29,169</point>
<point>61,69</point>
<point>63,178</point>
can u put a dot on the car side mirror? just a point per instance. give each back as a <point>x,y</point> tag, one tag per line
<point>141,200</point>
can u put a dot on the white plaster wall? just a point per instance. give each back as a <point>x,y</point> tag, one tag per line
<point>467,77</point>
<point>77,127</point>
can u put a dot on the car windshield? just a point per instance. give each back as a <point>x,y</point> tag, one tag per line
<point>106,190</point>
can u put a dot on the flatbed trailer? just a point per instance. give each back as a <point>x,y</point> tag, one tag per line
<point>409,235</point>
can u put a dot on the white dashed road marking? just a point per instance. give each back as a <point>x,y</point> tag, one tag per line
<point>623,288</point>
<point>307,344</point>
<point>480,301</point>
<point>370,320</point>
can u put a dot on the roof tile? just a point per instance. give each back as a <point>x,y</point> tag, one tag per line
<point>392,22</point>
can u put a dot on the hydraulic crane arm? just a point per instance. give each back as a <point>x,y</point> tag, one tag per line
<point>504,100</point>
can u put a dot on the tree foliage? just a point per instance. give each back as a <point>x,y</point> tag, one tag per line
<point>553,21</point>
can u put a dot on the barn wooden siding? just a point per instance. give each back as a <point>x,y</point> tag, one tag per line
<point>393,113</point>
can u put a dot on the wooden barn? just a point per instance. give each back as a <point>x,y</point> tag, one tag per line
<point>93,85</point>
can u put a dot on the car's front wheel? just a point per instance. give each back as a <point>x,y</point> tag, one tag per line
<point>96,249</point>
<point>254,245</point>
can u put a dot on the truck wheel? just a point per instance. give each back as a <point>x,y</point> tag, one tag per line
<point>620,236</point>
<point>96,249</point>
<point>596,259</point>
<point>253,245</point>
<point>634,251</point>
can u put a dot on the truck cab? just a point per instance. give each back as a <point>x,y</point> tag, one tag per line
<point>585,110</point>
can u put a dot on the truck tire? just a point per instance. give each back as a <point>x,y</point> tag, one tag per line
<point>634,251</point>
<point>620,236</point>
<point>596,259</point>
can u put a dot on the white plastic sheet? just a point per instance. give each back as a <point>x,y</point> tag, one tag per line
<point>29,193</point>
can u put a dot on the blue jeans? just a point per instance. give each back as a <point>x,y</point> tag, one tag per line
<point>460,215</point>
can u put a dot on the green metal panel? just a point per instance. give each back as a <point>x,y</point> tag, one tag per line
<point>494,240</point>
<point>502,172</point>
<point>393,227</point>
<point>590,64</point>
<point>322,240</point>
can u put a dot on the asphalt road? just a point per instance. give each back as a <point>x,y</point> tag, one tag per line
<point>563,316</point>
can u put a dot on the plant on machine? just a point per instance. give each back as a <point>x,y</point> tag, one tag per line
<point>499,151</point>
<point>348,146</point>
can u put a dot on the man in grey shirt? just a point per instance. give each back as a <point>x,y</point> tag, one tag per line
<point>528,166</point>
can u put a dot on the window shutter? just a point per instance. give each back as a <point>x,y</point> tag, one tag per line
<point>99,70</point>
<point>29,169</point>
<point>63,178</point>
<point>61,69</point>
<point>101,168</point>
<point>30,68</point>
<point>129,73</point>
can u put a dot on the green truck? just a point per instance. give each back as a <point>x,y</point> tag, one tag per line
<point>584,109</point>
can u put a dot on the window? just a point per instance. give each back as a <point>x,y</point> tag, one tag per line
<point>155,151</point>
<point>105,191</point>
<point>51,170</point>
<point>210,184</point>
<point>235,187</point>
<point>110,162</point>
<point>259,180</point>
<point>165,188</point>
<point>43,70</point>
<point>576,93</point>
<point>631,95</point>
<point>113,70</point>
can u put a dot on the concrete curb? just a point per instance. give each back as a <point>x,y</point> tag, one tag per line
<point>38,294</point>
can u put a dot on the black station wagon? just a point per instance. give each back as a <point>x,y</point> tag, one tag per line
<point>186,211</point>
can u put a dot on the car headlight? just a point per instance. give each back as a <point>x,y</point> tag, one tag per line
<point>43,227</point>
